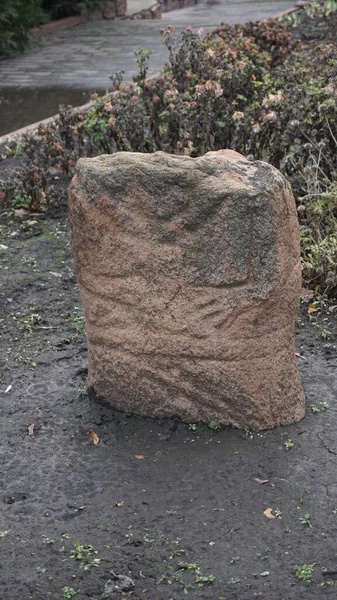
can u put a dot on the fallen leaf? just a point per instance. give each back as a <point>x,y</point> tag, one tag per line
<point>300,356</point>
<point>312,308</point>
<point>94,437</point>
<point>269,513</point>
<point>31,429</point>
<point>8,389</point>
<point>3,247</point>
<point>261,481</point>
<point>139,456</point>
<point>120,503</point>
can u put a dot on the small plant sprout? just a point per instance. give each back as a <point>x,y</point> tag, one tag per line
<point>317,408</point>
<point>192,427</point>
<point>28,261</point>
<point>304,572</point>
<point>213,425</point>
<point>68,592</point>
<point>288,444</point>
<point>263,555</point>
<point>4,534</point>
<point>278,513</point>
<point>82,551</point>
<point>302,496</point>
<point>202,580</point>
<point>47,541</point>
<point>306,520</point>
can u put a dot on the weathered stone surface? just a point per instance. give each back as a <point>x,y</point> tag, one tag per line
<point>109,10</point>
<point>189,271</point>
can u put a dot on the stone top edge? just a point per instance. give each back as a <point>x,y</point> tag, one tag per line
<point>168,160</point>
<point>228,167</point>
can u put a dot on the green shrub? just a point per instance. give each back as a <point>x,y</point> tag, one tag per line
<point>319,241</point>
<point>16,19</point>
<point>59,9</point>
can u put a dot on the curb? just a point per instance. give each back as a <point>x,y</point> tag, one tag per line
<point>60,25</point>
<point>8,137</point>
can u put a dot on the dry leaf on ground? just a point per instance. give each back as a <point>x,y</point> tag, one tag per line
<point>31,429</point>
<point>139,456</point>
<point>93,436</point>
<point>269,513</point>
<point>261,480</point>
<point>312,308</point>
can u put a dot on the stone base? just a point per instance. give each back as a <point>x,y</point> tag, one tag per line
<point>110,10</point>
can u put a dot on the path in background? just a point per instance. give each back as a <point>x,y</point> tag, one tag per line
<point>82,58</point>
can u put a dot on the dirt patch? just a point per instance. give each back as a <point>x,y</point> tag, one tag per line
<point>187,519</point>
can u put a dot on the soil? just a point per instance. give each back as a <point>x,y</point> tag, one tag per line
<point>162,502</point>
<point>177,508</point>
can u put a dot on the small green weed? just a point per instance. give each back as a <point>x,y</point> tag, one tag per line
<point>82,551</point>
<point>302,497</point>
<point>4,534</point>
<point>29,322</point>
<point>204,579</point>
<point>304,572</point>
<point>306,520</point>
<point>68,592</point>
<point>317,408</point>
<point>288,444</point>
<point>28,261</point>
<point>47,541</point>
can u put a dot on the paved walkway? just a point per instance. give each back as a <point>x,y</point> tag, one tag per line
<point>83,57</point>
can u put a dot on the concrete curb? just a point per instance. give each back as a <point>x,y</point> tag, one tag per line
<point>9,137</point>
<point>60,25</point>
